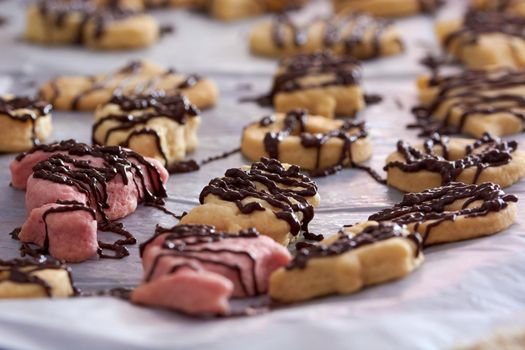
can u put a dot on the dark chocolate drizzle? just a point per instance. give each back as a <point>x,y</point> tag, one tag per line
<point>483,153</point>
<point>240,184</point>
<point>11,107</point>
<point>345,243</point>
<point>187,241</point>
<point>475,93</point>
<point>22,271</point>
<point>431,205</point>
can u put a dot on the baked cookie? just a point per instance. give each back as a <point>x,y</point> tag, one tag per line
<point>453,212</point>
<point>82,22</point>
<point>321,83</point>
<point>441,160</point>
<point>155,125</point>
<point>473,102</point>
<point>311,142</point>
<point>516,7</point>
<point>355,34</point>
<point>138,77</point>
<point>24,122</point>
<point>511,338</point>
<point>388,8</point>
<point>485,40</point>
<point>274,198</point>
<point>196,269</point>
<point>35,279</point>
<point>359,256</point>
<point>126,4</point>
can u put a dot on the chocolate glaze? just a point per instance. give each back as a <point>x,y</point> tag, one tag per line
<point>22,271</point>
<point>431,205</point>
<point>10,107</point>
<point>187,241</point>
<point>336,32</point>
<point>475,93</point>
<point>240,184</point>
<point>345,243</point>
<point>483,153</point>
<point>430,6</point>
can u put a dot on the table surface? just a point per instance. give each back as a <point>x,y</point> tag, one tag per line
<point>462,291</point>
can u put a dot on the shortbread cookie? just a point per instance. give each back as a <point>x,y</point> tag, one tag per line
<point>274,198</point>
<point>357,35</point>
<point>473,102</point>
<point>138,77</point>
<point>511,338</point>
<point>363,255</point>
<point>230,10</point>
<point>321,83</point>
<point>388,8</point>
<point>441,160</point>
<point>24,122</point>
<point>82,22</point>
<point>453,212</point>
<point>516,7</point>
<point>35,279</point>
<point>196,269</point>
<point>485,40</point>
<point>155,125</point>
<point>311,142</point>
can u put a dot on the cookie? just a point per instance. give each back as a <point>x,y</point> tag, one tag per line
<point>516,7</point>
<point>274,198</point>
<point>509,338</point>
<point>197,269</point>
<point>155,125</point>
<point>24,122</point>
<point>138,77</point>
<point>485,40</point>
<point>231,10</point>
<point>441,160</point>
<point>357,35</point>
<point>35,279</point>
<point>473,102</point>
<point>359,256</point>
<point>388,8</point>
<point>311,142</point>
<point>59,22</point>
<point>453,212</point>
<point>321,83</point>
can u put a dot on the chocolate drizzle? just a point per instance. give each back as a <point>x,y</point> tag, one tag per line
<point>483,153</point>
<point>12,108</point>
<point>286,190</point>
<point>195,243</point>
<point>351,31</point>
<point>430,207</point>
<point>475,94</point>
<point>345,243</point>
<point>68,169</point>
<point>22,271</point>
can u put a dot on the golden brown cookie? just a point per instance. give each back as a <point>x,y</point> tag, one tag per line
<point>156,126</point>
<point>387,8</point>
<point>453,212</point>
<point>137,77</point>
<point>363,255</point>
<point>357,35</point>
<point>311,142</point>
<point>473,102</point>
<point>516,7</point>
<point>24,122</point>
<point>441,160</point>
<point>274,198</point>
<point>35,279</point>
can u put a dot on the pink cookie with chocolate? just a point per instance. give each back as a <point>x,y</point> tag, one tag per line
<point>196,269</point>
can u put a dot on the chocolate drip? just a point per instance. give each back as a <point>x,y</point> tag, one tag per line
<point>345,243</point>
<point>22,271</point>
<point>430,206</point>
<point>475,93</point>
<point>350,30</point>
<point>430,6</point>
<point>187,241</point>
<point>490,152</point>
<point>286,191</point>
<point>191,165</point>
<point>10,107</point>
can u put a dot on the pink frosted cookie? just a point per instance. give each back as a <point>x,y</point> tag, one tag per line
<point>196,269</point>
